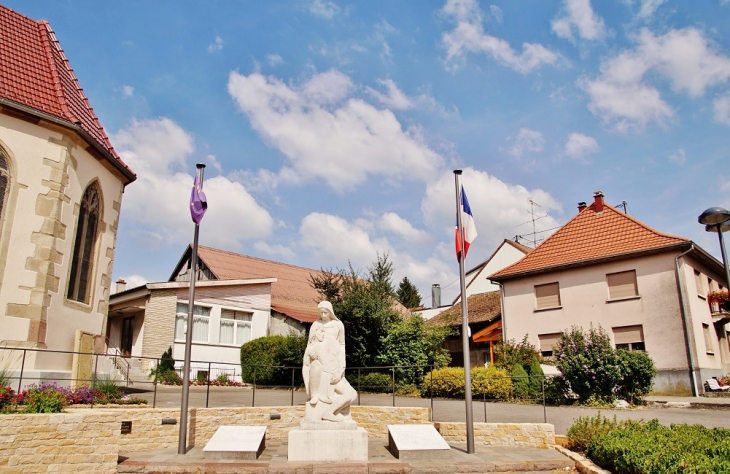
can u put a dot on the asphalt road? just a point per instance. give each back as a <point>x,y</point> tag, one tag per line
<point>443,410</point>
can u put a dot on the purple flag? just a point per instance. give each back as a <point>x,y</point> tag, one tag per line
<point>198,202</point>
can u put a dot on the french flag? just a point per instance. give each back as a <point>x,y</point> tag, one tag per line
<point>469,229</point>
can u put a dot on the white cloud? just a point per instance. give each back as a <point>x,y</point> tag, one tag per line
<point>326,134</point>
<point>274,60</point>
<point>722,109</point>
<point>216,45</point>
<point>499,209</point>
<point>496,13</point>
<point>579,15</point>
<point>468,37</point>
<point>621,96</point>
<point>324,9</point>
<point>579,146</point>
<point>157,204</point>
<point>648,7</point>
<point>127,91</point>
<point>392,222</point>
<point>394,99</point>
<point>678,157</point>
<point>527,141</point>
<point>133,281</point>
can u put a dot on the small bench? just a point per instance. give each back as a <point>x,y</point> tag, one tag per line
<point>714,386</point>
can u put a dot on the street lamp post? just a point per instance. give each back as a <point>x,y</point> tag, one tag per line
<point>717,219</point>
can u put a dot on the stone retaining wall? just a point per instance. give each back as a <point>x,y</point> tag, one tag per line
<point>533,435</point>
<point>89,440</point>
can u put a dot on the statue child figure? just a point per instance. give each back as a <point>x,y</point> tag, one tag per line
<point>322,355</point>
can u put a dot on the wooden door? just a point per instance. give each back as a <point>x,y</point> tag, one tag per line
<point>127,336</point>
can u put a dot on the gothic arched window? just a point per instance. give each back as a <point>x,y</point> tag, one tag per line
<point>4,186</point>
<point>80,278</point>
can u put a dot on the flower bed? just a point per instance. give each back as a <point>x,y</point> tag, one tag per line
<point>51,398</point>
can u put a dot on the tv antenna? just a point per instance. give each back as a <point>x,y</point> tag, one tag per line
<point>533,218</point>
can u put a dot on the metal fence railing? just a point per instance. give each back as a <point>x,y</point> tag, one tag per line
<point>391,385</point>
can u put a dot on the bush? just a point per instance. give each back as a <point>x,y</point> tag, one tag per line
<point>637,375</point>
<point>589,363</point>
<point>108,388</point>
<point>520,382</point>
<point>271,352</point>
<point>167,363</point>
<point>536,378</point>
<point>586,429</point>
<point>488,382</point>
<point>7,397</point>
<point>169,377</point>
<point>650,447</point>
<point>556,390</point>
<point>509,353</point>
<point>45,398</point>
<point>374,382</point>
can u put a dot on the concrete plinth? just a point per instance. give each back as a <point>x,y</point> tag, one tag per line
<point>328,445</point>
<point>236,442</point>
<point>417,443</point>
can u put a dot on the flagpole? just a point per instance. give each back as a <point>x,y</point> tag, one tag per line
<point>464,323</point>
<point>182,437</point>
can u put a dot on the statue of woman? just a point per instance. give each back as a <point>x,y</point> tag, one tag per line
<point>323,369</point>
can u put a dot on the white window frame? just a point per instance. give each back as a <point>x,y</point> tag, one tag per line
<point>181,318</point>
<point>238,325</point>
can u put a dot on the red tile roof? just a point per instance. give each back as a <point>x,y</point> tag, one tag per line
<point>35,76</point>
<point>482,307</point>
<point>292,294</point>
<point>590,237</point>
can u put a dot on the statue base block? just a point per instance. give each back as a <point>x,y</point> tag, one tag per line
<point>328,445</point>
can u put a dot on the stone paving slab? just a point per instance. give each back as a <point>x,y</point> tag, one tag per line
<point>381,461</point>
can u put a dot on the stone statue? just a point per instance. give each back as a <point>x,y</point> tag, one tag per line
<point>329,394</point>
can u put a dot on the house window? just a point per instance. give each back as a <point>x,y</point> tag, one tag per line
<point>700,284</point>
<point>622,285</point>
<point>4,185</point>
<point>547,341</point>
<point>235,327</point>
<point>708,338</point>
<point>201,321</point>
<point>82,264</point>
<point>547,296</point>
<point>629,337</point>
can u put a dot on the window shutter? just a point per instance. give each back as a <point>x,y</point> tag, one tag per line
<point>622,285</point>
<point>547,341</point>
<point>547,296</point>
<point>628,334</point>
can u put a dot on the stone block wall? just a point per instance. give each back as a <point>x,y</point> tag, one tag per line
<point>533,435</point>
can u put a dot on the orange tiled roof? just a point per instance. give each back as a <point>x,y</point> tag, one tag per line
<point>35,73</point>
<point>589,237</point>
<point>291,294</point>
<point>482,307</point>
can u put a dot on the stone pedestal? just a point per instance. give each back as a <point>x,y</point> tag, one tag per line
<point>236,442</point>
<point>324,445</point>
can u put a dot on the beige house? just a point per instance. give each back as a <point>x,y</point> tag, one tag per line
<point>647,289</point>
<point>61,186</point>
<point>237,298</point>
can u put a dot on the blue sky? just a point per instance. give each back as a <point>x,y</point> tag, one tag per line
<point>330,128</point>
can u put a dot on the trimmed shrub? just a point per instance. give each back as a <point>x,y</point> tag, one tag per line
<point>586,429</point>
<point>274,356</point>
<point>536,377</point>
<point>637,375</point>
<point>520,382</point>
<point>373,382</point>
<point>509,353</point>
<point>488,382</point>
<point>639,447</point>
<point>556,390</point>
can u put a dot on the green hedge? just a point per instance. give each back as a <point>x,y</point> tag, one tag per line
<point>374,382</point>
<point>650,448</point>
<point>489,382</point>
<point>272,352</point>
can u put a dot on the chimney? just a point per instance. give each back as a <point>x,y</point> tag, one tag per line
<point>435,295</point>
<point>121,285</point>
<point>581,206</point>
<point>598,196</point>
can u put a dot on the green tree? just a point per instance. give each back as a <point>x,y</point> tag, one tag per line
<point>520,381</point>
<point>509,353</point>
<point>364,305</point>
<point>410,342</point>
<point>536,377</point>
<point>408,294</point>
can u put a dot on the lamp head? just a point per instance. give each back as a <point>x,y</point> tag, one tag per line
<point>714,216</point>
<point>713,228</point>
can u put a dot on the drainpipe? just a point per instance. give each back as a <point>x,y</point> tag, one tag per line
<point>504,320</point>
<point>687,340</point>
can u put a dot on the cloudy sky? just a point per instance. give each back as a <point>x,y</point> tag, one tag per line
<point>330,128</point>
